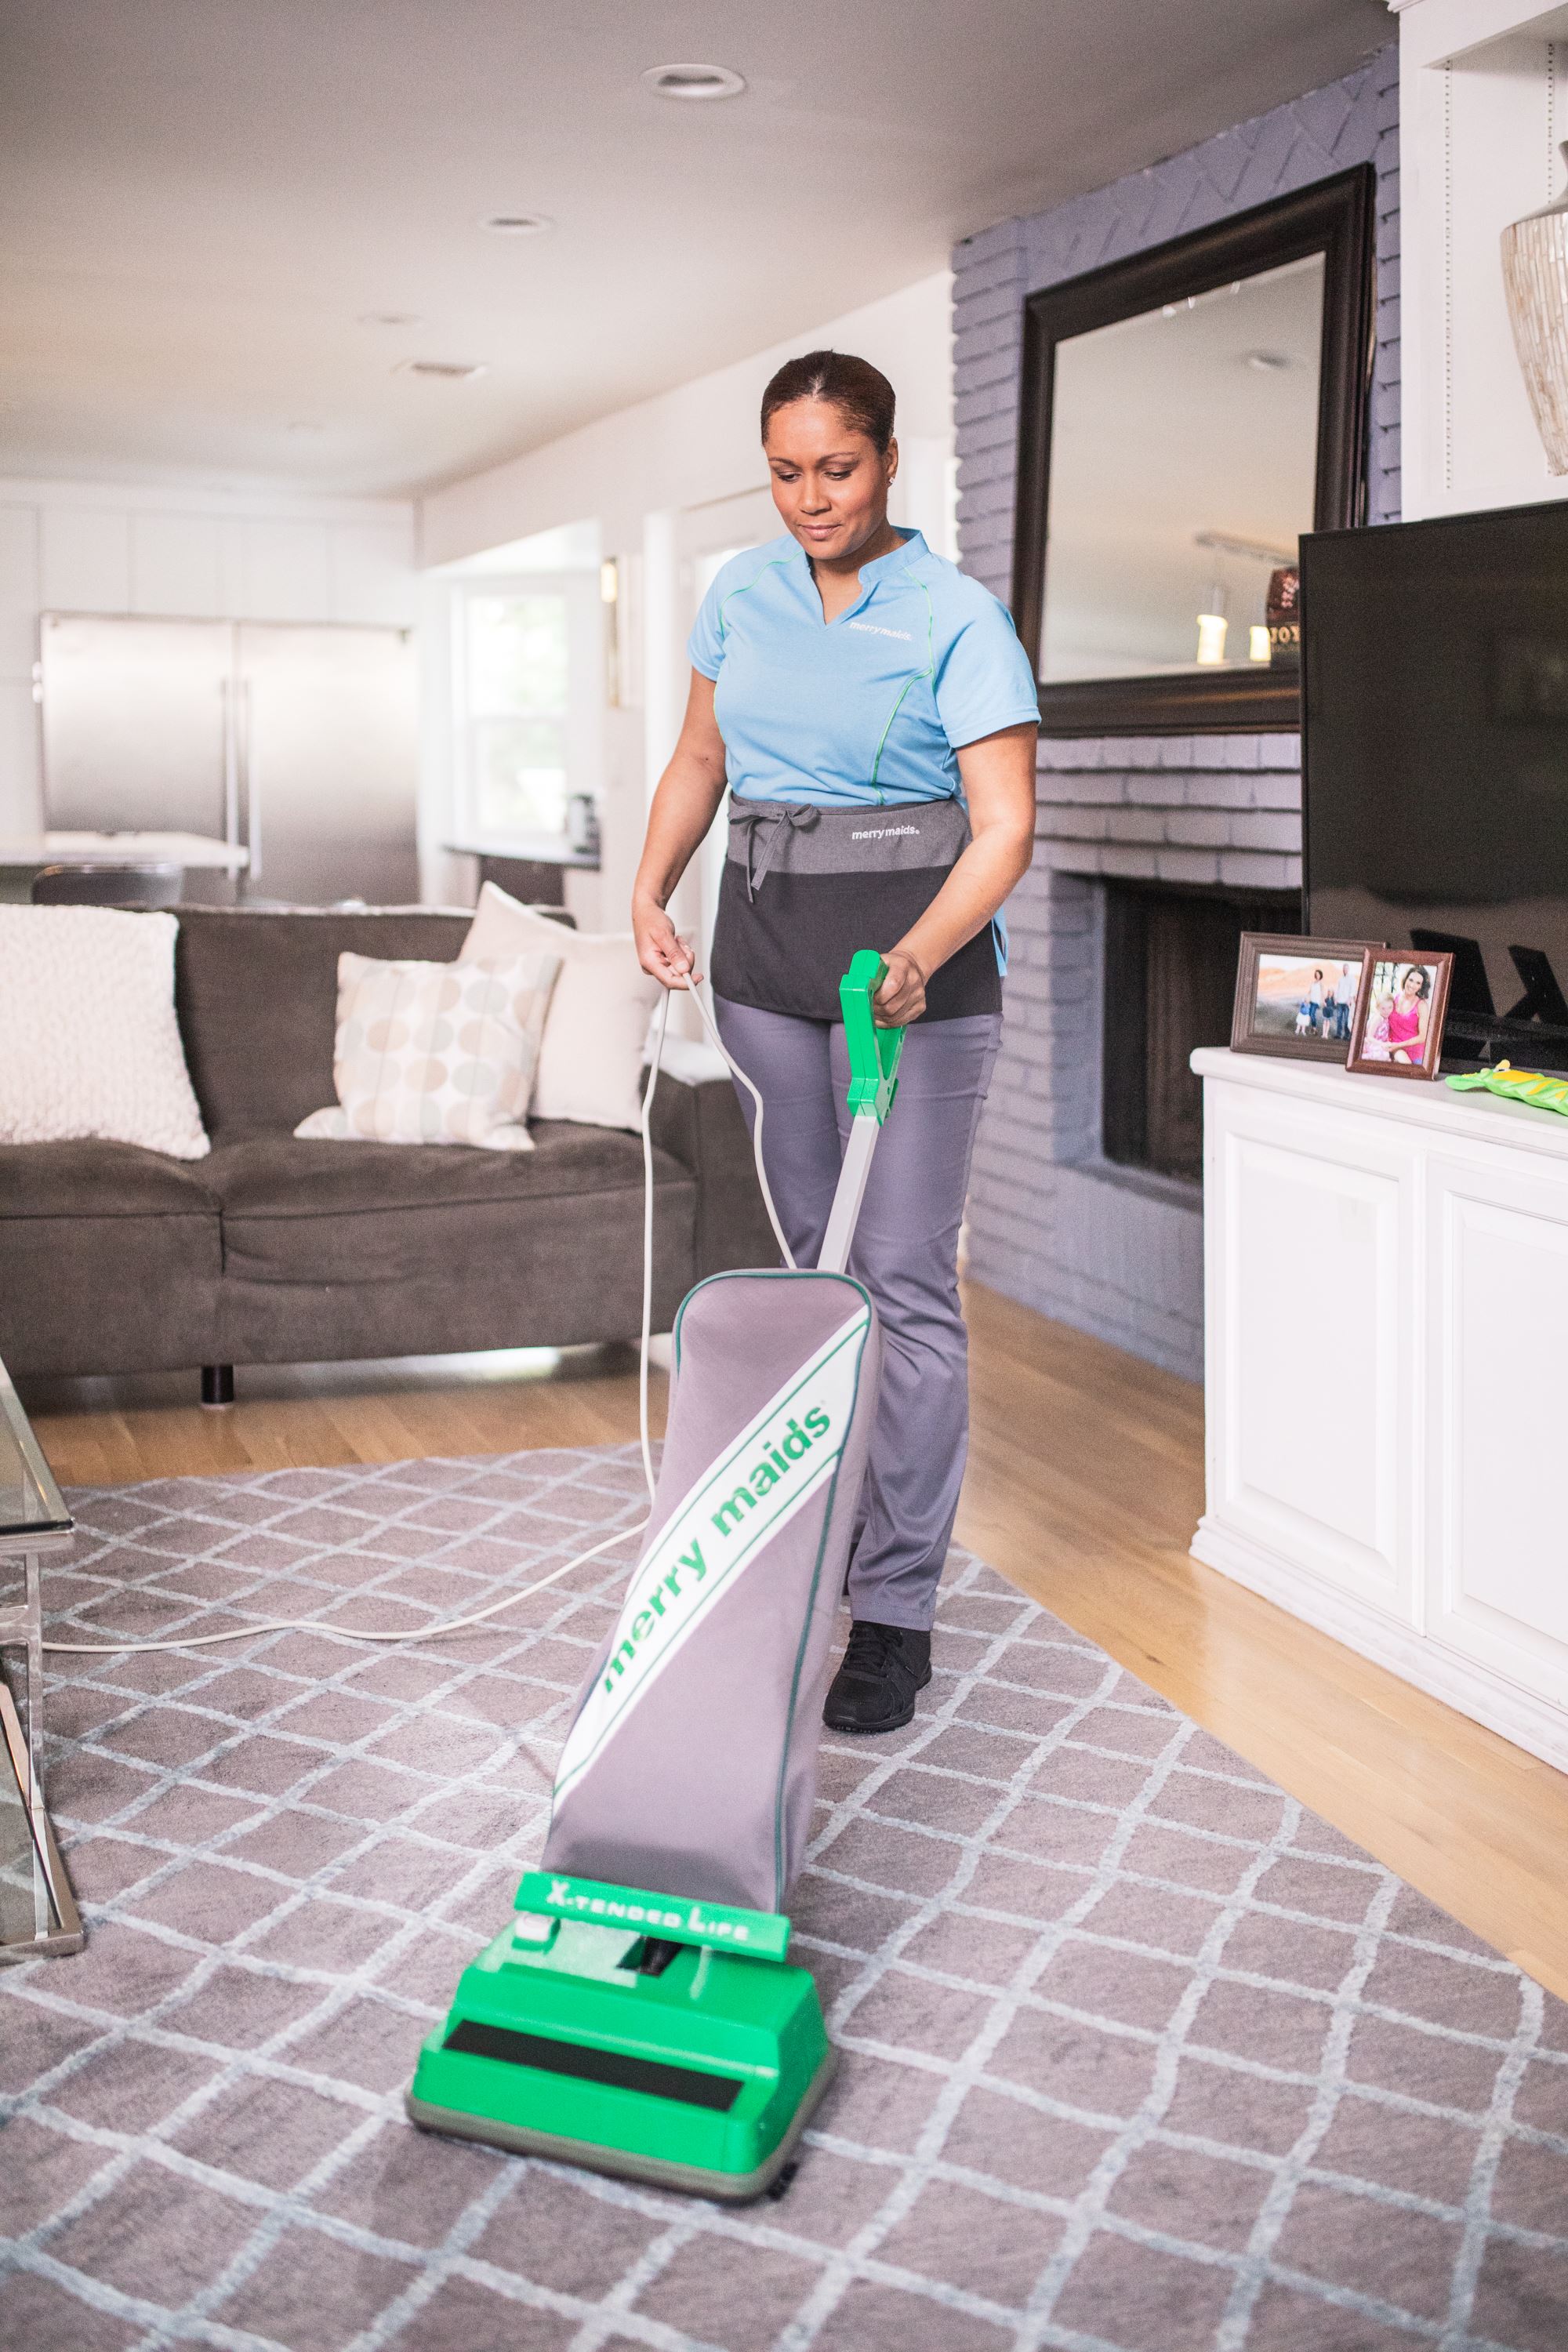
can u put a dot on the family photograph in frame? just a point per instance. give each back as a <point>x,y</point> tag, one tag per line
<point>1398,1029</point>
<point>1298,996</point>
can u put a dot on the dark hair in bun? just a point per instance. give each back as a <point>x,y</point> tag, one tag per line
<point>860,393</point>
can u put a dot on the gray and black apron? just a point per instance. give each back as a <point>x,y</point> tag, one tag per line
<point>804,887</point>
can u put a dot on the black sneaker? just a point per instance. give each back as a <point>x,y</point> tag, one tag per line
<point>874,1689</point>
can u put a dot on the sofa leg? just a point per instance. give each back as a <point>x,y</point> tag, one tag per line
<point>217,1385</point>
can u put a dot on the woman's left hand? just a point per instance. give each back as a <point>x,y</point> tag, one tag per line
<point>901,998</point>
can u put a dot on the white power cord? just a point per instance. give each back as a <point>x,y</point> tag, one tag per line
<point>510,1599</point>
<point>735,1072</point>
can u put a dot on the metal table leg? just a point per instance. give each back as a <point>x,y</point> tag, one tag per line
<point>57,1928</point>
<point>44,1912</point>
<point>33,1520</point>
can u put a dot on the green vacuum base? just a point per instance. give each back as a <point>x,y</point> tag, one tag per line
<point>674,2046</point>
<point>653,2172</point>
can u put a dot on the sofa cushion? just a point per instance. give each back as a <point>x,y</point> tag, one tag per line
<point>301,1211</point>
<point>93,1179</point>
<point>257,994</point>
<point>339,1250</point>
<point>111,1260</point>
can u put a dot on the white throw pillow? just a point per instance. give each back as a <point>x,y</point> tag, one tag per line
<point>89,1042</point>
<point>435,1053</point>
<point>590,1064</point>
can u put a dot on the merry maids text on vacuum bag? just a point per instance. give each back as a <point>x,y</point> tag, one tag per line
<point>716,1666</point>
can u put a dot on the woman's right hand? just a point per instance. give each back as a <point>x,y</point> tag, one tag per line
<point>660,949</point>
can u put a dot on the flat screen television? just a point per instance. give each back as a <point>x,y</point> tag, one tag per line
<point>1435,761</point>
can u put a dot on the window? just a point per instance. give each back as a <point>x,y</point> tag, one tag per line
<point>527,673</point>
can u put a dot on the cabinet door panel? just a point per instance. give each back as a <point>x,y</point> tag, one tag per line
<point>1317,1404</point>
<point>1499,1556</point>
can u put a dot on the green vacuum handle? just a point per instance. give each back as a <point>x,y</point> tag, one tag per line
<point>873,1051</point>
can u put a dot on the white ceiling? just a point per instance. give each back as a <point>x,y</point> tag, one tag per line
<point>204,197</point>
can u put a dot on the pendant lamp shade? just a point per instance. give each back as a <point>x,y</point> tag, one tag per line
<point>1535,279</point>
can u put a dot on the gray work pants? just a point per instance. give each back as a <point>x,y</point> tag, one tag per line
<point>905,1252</point>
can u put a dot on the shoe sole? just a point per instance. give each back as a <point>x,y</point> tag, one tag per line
<point>871,1730</point>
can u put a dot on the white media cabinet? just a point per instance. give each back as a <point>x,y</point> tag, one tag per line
<point>1386,1314</point>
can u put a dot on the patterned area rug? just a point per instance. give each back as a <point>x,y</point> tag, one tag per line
<point>1137,2056</point>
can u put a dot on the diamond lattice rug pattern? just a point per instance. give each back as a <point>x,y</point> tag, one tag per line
<point>1137,2056</point>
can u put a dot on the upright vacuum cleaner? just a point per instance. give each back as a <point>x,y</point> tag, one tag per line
<point>639,2015</point>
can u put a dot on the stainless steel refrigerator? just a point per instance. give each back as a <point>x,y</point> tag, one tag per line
<point>300,742</point>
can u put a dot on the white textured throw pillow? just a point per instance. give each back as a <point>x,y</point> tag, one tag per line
<point>435,1053</point>
<point>89,1042</point>
<point>590,1065</point>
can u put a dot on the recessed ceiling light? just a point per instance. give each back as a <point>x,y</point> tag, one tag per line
<point>389,319</point>
<point>517,223</point>
<point>451,371</point>
<point>690,81</point>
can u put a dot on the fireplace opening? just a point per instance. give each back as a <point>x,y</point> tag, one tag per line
<point>1169,980</point>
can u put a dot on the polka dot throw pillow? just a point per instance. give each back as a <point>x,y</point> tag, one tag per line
<point>436,1052</point>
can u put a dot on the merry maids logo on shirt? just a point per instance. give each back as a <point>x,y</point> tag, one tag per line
<point>871,629</point>
<point>784,1456</point>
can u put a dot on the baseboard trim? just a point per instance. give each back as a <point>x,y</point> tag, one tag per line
<point>1470,1689</point>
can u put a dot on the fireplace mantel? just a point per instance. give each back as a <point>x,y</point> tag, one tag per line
<point>1386,1292</point>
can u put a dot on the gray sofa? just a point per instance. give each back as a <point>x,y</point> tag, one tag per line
<point>271,1250</point>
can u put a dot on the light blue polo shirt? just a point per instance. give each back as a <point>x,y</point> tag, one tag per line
<point>869,707</point>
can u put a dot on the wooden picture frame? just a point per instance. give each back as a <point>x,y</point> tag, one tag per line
<point>1336,217</point>
<point>1301,1043</point>
<point>1372,1055</point>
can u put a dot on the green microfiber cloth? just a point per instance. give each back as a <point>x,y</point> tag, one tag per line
<point>1532,1087</point>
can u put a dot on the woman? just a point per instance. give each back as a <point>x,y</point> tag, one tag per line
<point>1408,1017</point>
<point>875,718</point>
<point>1315,999</point>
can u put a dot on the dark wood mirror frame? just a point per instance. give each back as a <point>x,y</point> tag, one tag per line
<point>1335,218</point>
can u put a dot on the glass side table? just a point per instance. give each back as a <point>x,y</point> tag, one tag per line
<point>38,1910</point>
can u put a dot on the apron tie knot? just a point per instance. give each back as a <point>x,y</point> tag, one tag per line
<point>779,818</point>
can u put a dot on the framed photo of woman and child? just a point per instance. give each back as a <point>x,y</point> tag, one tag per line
<point>1398,1028</point>
<point>1345,1000</point>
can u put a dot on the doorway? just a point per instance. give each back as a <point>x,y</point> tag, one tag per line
<point>706,538</point>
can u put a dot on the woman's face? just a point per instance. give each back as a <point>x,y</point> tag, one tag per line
<point>829,480</point>
<point>1412,985</point>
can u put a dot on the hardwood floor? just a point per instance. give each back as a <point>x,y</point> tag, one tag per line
<point>1085,1484</point>
<point>109,1433</point>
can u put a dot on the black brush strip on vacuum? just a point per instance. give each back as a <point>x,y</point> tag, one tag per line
<point>584,2064</point>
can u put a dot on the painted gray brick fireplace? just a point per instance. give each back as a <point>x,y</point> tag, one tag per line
<point>1115,1250</point>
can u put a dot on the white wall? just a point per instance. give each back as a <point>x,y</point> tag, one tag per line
<point>696,443</point>
<point>637,473</point>
<point>86,547</point>
<point>1483,101</point>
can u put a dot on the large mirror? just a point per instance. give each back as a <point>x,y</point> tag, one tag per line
<point>1186,415</point>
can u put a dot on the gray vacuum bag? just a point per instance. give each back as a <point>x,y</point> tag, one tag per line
<point>690,1764</point>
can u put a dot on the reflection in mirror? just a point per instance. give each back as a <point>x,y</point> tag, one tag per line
<point>1182,468</point>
